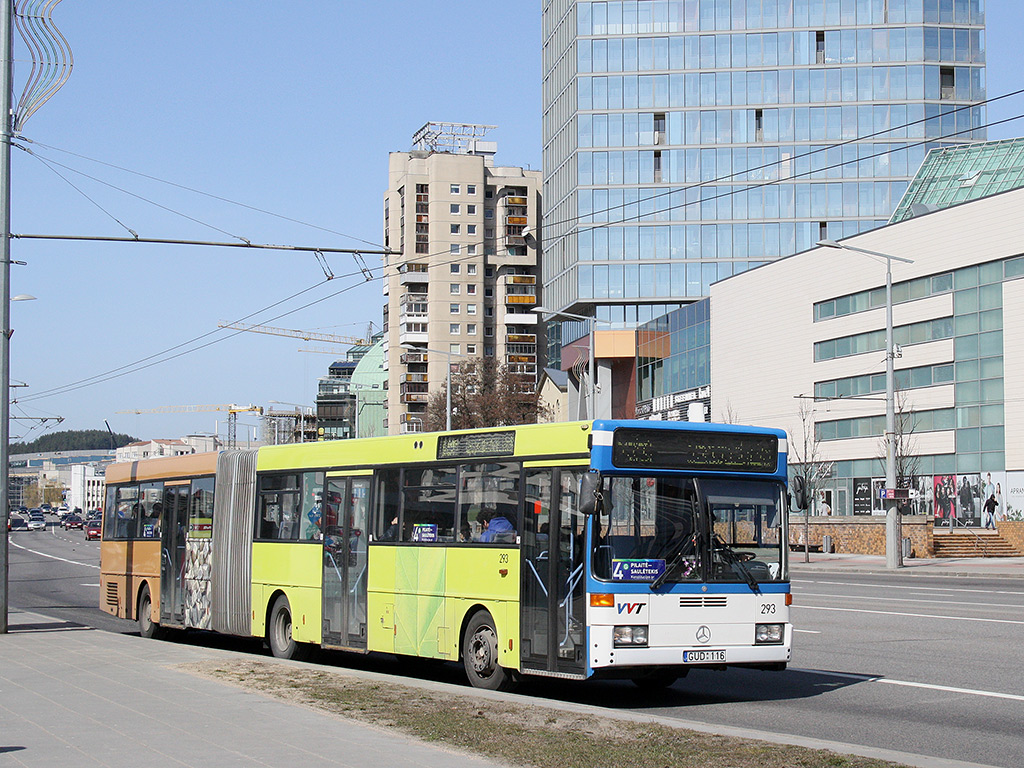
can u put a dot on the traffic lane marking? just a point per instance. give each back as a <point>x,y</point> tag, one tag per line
<point>910,684</point>
<point>910,600</point>
<point>893,587</point>
<point>915,615</point>
<point>53,557</point>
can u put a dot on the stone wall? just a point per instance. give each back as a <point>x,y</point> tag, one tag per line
<point>862,535</point>
<point>1013,532</point>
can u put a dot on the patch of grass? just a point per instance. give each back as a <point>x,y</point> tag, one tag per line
<point>520,734</point>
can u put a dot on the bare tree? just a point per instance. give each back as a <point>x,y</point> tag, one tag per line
<point>804,449</point>
<point>485,394</point>
<point>905,459</point>
<point>905,456</point>
<point>729,415</point>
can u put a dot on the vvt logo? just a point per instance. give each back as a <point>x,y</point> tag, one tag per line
<point>630,607</point>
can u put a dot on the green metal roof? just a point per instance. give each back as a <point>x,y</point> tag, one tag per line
<point>951,175</point>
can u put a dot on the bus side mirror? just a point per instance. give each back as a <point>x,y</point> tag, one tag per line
<point>800,493</point>
<point>590,493</point>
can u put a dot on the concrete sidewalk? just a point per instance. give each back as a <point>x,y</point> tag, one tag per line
<point>83,697</point>
<point>1000,567</point>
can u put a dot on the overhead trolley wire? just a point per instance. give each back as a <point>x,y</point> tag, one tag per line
<point>194,190</point>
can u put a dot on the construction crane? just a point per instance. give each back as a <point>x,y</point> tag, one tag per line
<point>331,338</point>
<point>232,409</point>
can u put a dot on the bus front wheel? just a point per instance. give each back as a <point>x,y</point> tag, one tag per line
<point>279,631</point>
<point>480,655</point>
<point>144,616</point>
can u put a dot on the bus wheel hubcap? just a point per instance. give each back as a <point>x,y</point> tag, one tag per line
<point>484,651</point>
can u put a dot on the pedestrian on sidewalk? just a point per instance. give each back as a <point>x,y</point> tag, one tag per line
<point>990,511</point>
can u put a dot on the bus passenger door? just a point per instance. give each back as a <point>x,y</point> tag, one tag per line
<point>553,584</point>
<point>172,555</point>
<point>345,516</point>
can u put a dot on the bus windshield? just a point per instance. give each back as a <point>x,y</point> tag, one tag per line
<point>682,529</point>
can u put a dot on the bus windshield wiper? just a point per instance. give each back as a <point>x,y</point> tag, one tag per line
<point>730,557</point>
<point>755,586</point>
<point>671,567</point>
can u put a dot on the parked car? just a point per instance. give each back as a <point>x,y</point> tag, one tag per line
<point>36,521</point>
<point>92,530</point>
<point>73,521</point>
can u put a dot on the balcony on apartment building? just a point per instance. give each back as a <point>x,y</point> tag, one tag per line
<point>413,357</point>
<point>410,422</point>
<point>520,295</point>
<point>413,273</point>
<point>413,392</point>
<point>520,338</point>
<point>413,333</point>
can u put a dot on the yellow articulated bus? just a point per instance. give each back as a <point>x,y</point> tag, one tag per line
<point>624,549</point>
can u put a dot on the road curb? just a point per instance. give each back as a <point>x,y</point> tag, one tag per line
<point>905,571</point>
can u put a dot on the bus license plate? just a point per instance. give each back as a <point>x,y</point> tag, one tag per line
<point>691,657</point>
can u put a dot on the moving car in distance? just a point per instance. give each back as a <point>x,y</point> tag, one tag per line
<point>73,521</point>
<point>92,530</point>
<point>36,521</point>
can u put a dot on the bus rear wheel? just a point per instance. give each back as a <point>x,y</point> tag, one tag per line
<point>279,632</point>
<point>144,616</point>
<point>480,655</point>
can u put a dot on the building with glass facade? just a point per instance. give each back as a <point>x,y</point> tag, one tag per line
<point>686,141</point>
<point>809,356</point>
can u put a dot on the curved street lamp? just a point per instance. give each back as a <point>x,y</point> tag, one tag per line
<point>893,544</point>
<point>591,369</point>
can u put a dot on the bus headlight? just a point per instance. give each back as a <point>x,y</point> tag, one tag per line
<point>768,634</point>
<point>625,637</point>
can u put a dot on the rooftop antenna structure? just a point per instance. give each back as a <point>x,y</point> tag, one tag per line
<point>454,138</point>
<point>51,56</point>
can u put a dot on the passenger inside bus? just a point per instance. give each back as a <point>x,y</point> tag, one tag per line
<point>496,527</point>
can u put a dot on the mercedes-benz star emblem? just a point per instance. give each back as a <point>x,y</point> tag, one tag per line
<point>703,634</point>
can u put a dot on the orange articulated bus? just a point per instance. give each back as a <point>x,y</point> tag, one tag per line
<point>157,533</point>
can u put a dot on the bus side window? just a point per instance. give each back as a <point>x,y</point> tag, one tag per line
<point>489,502</point>
<point>428,513</point>
<point>388,505</point>
<point>278,508</point>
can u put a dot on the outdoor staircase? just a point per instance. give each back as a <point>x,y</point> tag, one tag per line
<point>976,543</point>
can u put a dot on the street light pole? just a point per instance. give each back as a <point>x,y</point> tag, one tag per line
<point>893,535</point>
<point>591,370</point>
<point>6,85</point>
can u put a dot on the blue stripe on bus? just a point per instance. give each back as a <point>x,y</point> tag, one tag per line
<point>698,588</point>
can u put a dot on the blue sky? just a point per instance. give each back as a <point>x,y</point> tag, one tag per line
<point>290,108</point>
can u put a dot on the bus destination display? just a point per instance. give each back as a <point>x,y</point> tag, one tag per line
<point>479,445</point>
<point>697,451</point>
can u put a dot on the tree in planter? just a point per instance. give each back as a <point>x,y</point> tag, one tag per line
<point>905,456</point>
<point>905,459</point>
<point>805,451</point>
<point>485,394</point>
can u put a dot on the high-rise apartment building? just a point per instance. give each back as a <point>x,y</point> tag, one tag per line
<point>465,280</point>
<point>689,140</point>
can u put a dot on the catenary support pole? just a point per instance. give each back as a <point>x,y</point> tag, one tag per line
<point>6,86</point>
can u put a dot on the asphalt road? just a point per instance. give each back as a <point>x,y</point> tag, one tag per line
<point>928,666</point>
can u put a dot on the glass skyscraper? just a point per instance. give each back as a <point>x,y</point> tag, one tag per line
<point>690,140</point>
